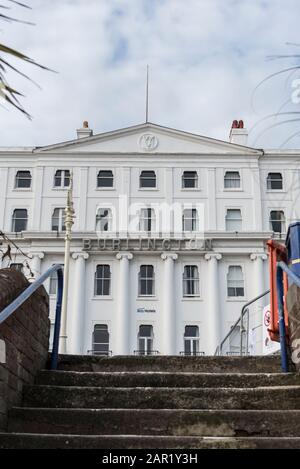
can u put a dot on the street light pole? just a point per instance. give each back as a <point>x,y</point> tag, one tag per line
<point>69,221</point>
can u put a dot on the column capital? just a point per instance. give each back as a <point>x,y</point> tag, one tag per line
<point>213,255</point>
<point>169,255</point>
<point>84,255</point>
<point>40,255</point>
<point>258,255</point>
<point>124,255</point>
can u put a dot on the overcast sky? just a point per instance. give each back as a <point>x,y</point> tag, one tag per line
<point>206,57</point>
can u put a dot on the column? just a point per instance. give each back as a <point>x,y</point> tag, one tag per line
<point>212,205</point>
<point>257,201</point>
<point>3,200</point>
<point>122,321</point>
<point>36,262</point>
<point>83,194</point>
<point>38,198</point>
<point>214,318</point>
<point>76,337</point>
<point>169,312</point>
<point>256,310</point>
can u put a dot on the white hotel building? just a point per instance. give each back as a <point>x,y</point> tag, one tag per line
<point>169,235</point>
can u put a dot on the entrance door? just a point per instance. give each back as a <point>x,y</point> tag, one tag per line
<point>145,340</point>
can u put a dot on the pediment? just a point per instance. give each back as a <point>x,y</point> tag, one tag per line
<point>148,138</point>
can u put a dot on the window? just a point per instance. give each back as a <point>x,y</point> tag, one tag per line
<point>148,179</point>
<point>146,280</point>
<point>277,221</point>
<point>233,220</point>
<point>145,340</point>
<point>147,219</point>
<point>232,180</point>
<point>235,281</point>
<point>58,220</point>
<point>100,344</point>
<point>23,180</point>
<point>19,220</point>
<point>17,266</point>
<point>274,181</point>
<point>62,178</point>
<point>103,219</point>
<point>191,340</point>
<point>190,280</point>
<point>190,219</point>
<point>105,178</point>
<point>102,280</point>
<point>189,180</point>
<point>235,342</point>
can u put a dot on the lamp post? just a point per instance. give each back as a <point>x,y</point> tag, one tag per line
<point>69,221</point>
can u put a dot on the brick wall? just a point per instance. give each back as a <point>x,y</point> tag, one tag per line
<point>24,339</point>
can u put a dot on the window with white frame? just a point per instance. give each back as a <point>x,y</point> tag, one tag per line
<point>147,219</point>
<point>191,340</point>
<point>146,280</point>
<point>235,342</point>
<point>62,178</point>
<point>235,281</point>
<point>17,266</point>
<point>102,280</point>
<point>233,220</point>
<point>190,220</point>
<point>274,181</point>
<point>189,180</point>
<point>23,180</point>
<point>232,180</point>
<point>145,340</point>
<point>147,179</point>
<point>191,281</point>
<point>105,178</point>
<point>277,221</point>
<point>58,220</point>
<point>103,219</point>
<point>19,220</point>
<point>100,340</point>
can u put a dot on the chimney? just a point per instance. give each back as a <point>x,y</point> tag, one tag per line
<point>238,134</point>
<point>85,131</point>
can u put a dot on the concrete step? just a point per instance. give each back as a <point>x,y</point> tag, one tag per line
<point>276,397</point>
<point>213,423</point>
<point>166,379</point>
<point>261,364</point>
<point>45,441</point>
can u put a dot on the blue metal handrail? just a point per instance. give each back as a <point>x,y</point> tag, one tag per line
<point>11,308</point>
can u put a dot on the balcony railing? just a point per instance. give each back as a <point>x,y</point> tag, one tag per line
<point>106,353</point>
<point>146,352</point>
<point>192,354</point>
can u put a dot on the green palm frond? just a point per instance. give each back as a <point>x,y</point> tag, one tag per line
<point>7,92</point>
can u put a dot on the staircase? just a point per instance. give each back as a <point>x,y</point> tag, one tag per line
<point>159,402</point>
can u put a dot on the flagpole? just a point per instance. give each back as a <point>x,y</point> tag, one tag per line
<point>69,221</point>
<point>147,95</point>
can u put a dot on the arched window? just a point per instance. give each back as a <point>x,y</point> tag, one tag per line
<point>102,280</point>
<point>147,179</point>
<point>277,221</point>
<point>100,345</point>
<point>190,280</point>
<point>58,220</point>
<point>147,219</point>
<point>103,219</point>
<point>145,340</point>
<point>233,219</point>
<point>235,281</point>
<point>190,221</point>
<point>189,180</point>
<point>23,180</point>
<point>19,220</point>
<point>232,180</point>
<point>274,181</point>
<point>105,178</point>
<point>191,340</point>
<point>62,178</point>
<point>146,280</point>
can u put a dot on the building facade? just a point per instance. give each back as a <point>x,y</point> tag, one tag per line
<point>169,235</point>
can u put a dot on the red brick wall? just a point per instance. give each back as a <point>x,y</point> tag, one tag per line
<point>26,336</point>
